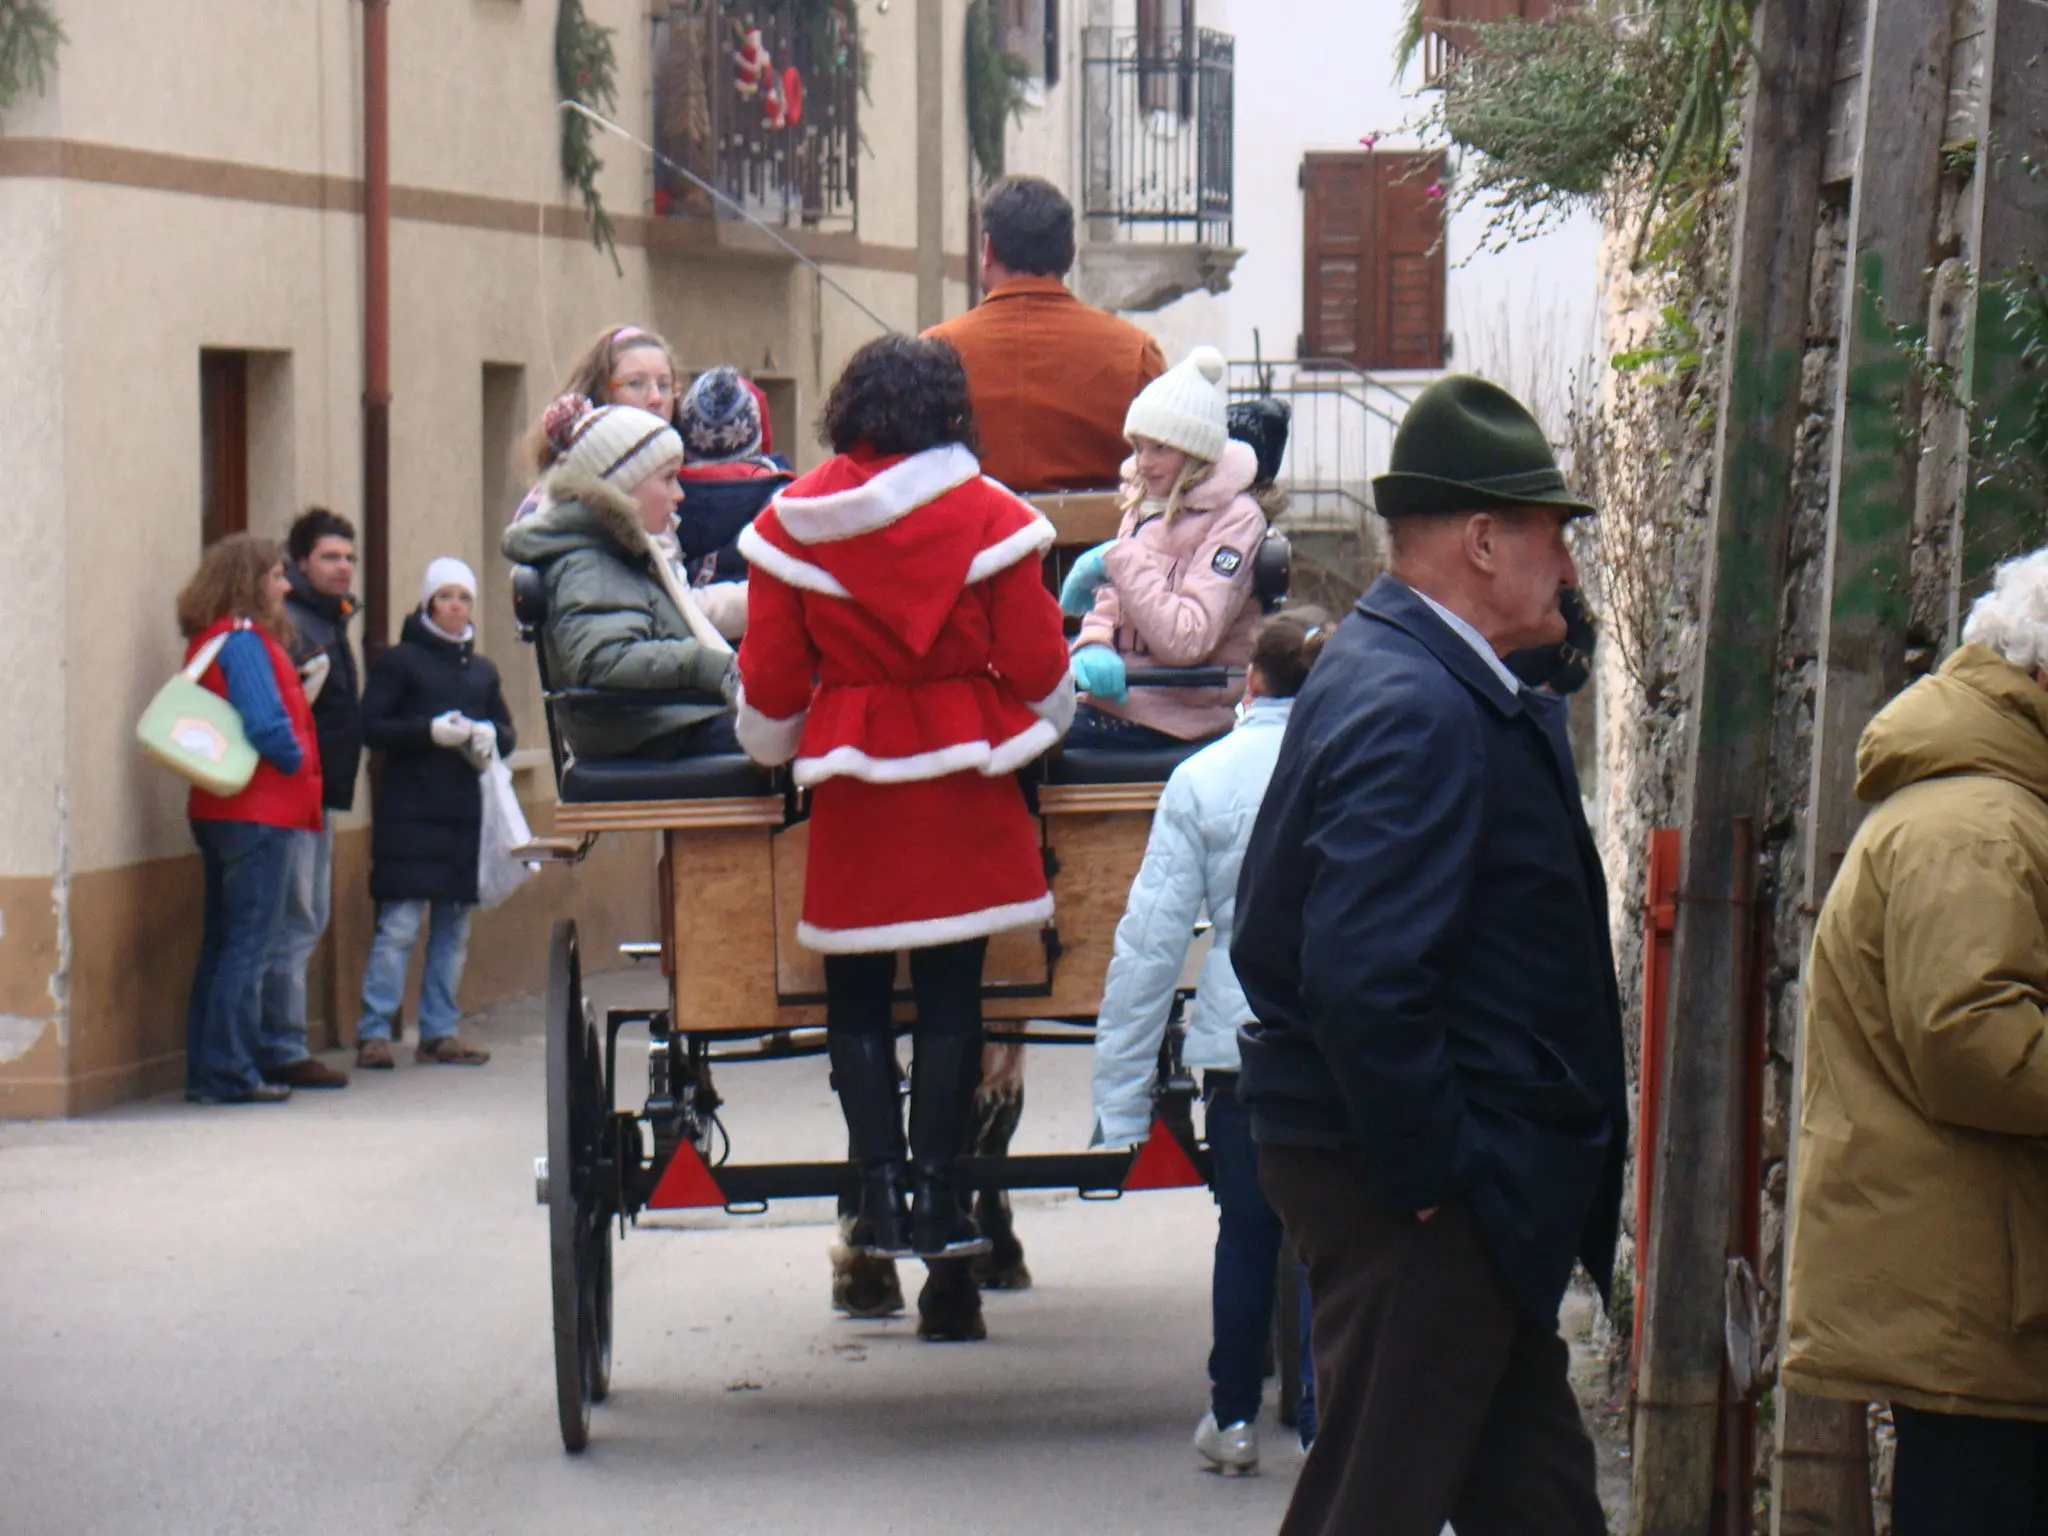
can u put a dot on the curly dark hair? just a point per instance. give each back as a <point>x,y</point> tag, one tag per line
<point>900,394</point>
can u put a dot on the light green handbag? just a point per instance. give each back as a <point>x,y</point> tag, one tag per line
<point>195,732</point>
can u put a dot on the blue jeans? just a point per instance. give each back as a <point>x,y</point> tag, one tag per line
<point>1096,730</point>
<point>1305,1407</point>
<point>245,871</point>
<point>398,927</point>
<point>308,898</point>
<point>1248,1238</point>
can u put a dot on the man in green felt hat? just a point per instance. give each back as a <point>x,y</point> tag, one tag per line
<point>1435,1078</point>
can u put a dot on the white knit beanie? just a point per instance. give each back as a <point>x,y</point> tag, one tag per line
<point>1185,407</point>
<point>446,571</point>
<point>621,445</point>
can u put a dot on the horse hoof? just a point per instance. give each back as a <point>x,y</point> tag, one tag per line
<point>953,1330</point>
<point>994,1273</point>
<point>863,1286</point>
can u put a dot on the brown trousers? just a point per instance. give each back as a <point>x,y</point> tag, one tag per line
<point>1437,1398</point>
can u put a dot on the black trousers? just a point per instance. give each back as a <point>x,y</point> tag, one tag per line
<point>945,979</point>
<point>1963,1476</point>
<point>1438,1399</point>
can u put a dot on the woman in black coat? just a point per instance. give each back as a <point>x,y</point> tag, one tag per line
<point>434,708</point>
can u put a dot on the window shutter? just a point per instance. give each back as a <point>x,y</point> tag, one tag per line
<point>1373,261</point>
<point>1408,281</point>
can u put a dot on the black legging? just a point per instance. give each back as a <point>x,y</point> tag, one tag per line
<point>945,979</point>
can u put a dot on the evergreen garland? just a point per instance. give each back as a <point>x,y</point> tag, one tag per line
<point>586,70</point>
<point>29,39</point>
<point>997,83</point>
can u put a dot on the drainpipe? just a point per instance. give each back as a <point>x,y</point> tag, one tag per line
<point>376,327</point>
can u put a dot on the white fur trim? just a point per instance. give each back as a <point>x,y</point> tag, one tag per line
<point>924,934</point>
<point>1034,538</point>
<point>1057,707</point>
<point>767,741</point>
<point>798,573</point>
<point>852,763</point>
<point>896,491</point>
<point>1022,748</point>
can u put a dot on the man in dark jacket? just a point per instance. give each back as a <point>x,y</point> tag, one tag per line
<point>320,562</point>
<point>1436,1077</point>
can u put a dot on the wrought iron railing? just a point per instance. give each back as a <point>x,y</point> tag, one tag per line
<point>1159,132</point>
<point>761,100</point>
<point>1342,434</point>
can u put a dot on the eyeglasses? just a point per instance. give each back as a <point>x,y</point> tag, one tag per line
<point>639,383</point>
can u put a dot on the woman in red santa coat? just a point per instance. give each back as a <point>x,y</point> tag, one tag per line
<point>902,649</point>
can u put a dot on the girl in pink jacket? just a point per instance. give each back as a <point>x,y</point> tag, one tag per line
<point>1174,588</point>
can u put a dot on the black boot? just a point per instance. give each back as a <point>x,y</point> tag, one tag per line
<point>941,1104</point>
<point>864,1072</point>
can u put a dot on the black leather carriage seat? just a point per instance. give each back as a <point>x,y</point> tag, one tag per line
<point>608,779</point>
<point>1119,765</point>
<point>603,781</point>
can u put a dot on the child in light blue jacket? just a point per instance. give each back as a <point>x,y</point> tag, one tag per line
<point>1198,840</point>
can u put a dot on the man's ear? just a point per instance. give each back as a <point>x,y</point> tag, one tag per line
<point>1482,541</point>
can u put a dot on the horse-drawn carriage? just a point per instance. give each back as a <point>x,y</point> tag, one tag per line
<point>741,988</point>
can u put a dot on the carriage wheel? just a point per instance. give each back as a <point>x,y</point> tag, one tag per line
<point>580,1207</point>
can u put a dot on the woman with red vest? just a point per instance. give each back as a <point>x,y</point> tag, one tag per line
<point>902,648</point>
<point>238,594</point>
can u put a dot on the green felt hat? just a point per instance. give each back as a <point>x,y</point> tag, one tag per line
<point>1469,446</point>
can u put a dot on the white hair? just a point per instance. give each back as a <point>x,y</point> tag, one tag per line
<point>2012,618</point>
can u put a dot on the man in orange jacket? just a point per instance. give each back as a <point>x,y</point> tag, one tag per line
<point>1050,377</point>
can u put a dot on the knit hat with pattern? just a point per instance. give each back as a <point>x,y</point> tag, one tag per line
<point>720,418</point>
<point>1184,407</point>
<point>620,444</point>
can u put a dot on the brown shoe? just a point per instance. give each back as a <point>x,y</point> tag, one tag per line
<point>306,1072</point>
<point>450,1051</point>
<point>373,1056</point>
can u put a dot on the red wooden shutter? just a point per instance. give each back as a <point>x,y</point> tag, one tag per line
<point>1373,260</point>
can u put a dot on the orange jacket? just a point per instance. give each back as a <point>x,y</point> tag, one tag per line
<point>1051,379</point>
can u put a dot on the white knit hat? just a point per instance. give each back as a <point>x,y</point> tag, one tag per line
<point>446,571</point>
<point>620,444</point>
<point>1184,407</point>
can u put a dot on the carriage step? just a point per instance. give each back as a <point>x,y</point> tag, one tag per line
<point>540,1181</point>
<point>641,950</point>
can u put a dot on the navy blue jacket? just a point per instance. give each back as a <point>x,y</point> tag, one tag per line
<point>429,804</point>
<point>715,512</point>
<point>1422,934</point>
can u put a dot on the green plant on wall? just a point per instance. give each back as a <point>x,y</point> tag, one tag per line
<point>1590,103</point>
<point>29,39</point>
<point>997,90</point>
<point>586,70</point>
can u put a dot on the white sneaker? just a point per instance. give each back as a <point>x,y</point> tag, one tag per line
<point>1231,1449</point>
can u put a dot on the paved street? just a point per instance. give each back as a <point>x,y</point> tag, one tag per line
<point>333,1316</point>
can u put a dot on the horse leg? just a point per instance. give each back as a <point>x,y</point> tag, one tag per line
<point>862,1285</point>
<point>998,1107</point>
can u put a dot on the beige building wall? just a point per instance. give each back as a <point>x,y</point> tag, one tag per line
<point>192,181</point>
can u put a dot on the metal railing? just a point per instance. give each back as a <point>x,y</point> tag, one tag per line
<point>1446,29</point>
<point>1159,132</point>
<point>762,101</point>
<point>1342,434</point>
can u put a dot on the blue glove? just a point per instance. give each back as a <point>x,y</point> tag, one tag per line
<point>1077,592</point>
<point>1099,673</point>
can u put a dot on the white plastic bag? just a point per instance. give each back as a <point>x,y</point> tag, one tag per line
<point>498,873</point>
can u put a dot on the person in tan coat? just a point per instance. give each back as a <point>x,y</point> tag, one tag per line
<point>1050,376</point>
<point>1918,1270</point>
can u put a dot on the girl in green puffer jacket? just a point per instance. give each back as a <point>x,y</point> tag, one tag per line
<point>619,617</point>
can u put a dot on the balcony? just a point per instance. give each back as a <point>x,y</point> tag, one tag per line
<point>1158,146</point>
<point>1446,29</point>
<point>760,101</point>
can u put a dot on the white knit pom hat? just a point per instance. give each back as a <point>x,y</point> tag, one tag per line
<point>619,444</point>
<point>1184,407</point>
<point>446,571</point>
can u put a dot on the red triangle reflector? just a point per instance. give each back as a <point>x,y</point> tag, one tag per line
<point>1161,1164</point>
<point>685,1183</point>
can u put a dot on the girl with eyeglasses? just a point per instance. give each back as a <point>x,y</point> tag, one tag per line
<point>628,365</point>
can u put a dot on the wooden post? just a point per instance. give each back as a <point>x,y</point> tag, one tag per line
<point>1728,753</point>
<point>2008,221</point>
<point>1823,1478</point>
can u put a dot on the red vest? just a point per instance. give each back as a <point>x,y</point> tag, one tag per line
<point>271,798</point>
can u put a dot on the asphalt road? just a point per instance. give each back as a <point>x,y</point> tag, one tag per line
<point>333,1316</point>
